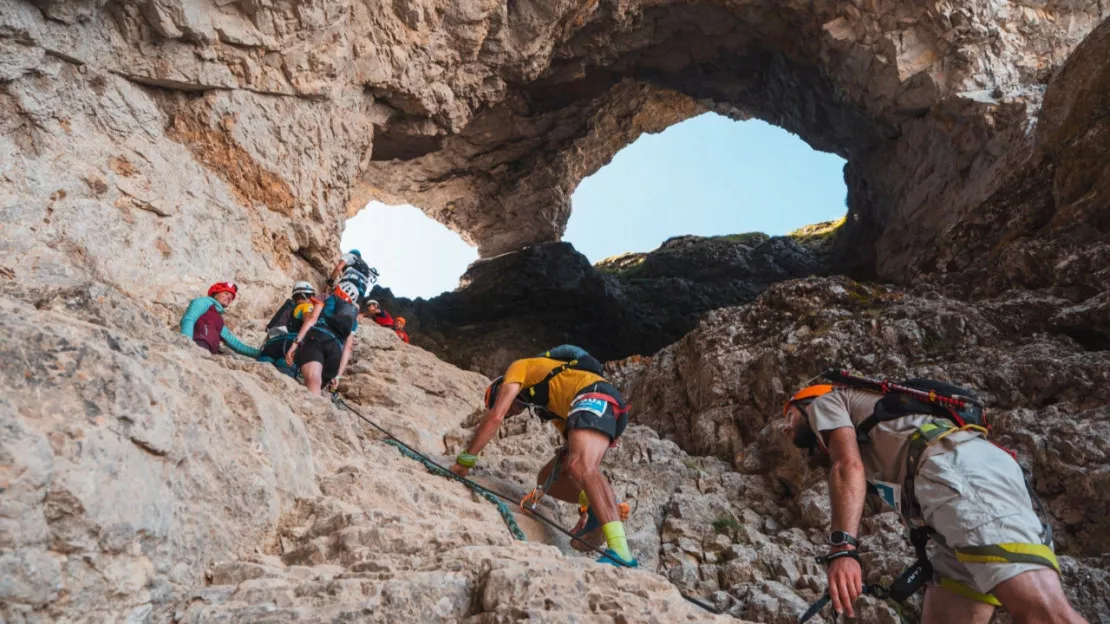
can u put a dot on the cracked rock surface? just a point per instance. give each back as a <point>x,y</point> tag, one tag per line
<point>150,148</point>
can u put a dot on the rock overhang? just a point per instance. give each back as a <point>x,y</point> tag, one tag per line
<point>914,98</point>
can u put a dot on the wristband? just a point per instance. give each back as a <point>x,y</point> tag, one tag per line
<point>829,558</point>
<point>466,459</point>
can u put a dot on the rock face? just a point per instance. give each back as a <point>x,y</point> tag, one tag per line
<point>212,138</point>
<point>146,480</point>
<point>522,303</point>
<point>150,148</point>
<point>720,391</point>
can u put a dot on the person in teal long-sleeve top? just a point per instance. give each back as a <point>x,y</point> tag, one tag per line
<point>204,322</point>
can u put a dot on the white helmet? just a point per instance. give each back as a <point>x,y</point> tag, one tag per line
<point>303,288</point>
<point>350,289</point>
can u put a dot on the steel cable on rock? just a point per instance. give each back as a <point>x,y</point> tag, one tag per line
<point>492,495</point>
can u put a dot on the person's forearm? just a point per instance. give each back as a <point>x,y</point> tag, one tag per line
<point>336,271</point>
<point>346,357</point>
<point>486,430</point>
<point>847,491</point>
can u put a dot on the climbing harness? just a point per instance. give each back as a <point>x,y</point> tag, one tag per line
<point>492,495</point>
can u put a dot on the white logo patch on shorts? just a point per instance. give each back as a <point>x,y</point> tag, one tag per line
<point>590,404</point>
<point>891,494</point>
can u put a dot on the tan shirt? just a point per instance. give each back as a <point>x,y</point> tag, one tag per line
<point>884,458</point>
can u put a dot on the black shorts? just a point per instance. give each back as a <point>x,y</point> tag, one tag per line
<point>274,352</point>
<point>322,348</point>
<point>609,416</point>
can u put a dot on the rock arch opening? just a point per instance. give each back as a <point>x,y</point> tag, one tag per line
<point>416,255</point>
<point>706,176</point>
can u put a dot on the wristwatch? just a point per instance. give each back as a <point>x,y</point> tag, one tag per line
<point>842,538</point>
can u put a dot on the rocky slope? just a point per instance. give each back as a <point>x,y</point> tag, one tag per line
<point>524,302</point>
<point>145,480</point>
<point>720,390</point>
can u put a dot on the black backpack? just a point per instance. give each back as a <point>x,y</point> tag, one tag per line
<point>341,318</point>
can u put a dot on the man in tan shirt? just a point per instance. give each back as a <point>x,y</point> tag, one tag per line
<point>989,545</point>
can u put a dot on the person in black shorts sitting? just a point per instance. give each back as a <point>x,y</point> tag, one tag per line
<point>323,344</point>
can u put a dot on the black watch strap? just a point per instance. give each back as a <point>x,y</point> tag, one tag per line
<point>842,538</point>
<point>840,554</point>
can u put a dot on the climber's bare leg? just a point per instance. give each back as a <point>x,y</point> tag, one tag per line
<point>585,450</point>
<point>313,374</point>
<point>564,488</point>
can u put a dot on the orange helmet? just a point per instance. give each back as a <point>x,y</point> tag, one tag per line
<point>807,394</point>
<point>491,391</point>
<point>400,321</point>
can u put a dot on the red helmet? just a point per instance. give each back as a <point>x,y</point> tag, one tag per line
<point>220,287</point>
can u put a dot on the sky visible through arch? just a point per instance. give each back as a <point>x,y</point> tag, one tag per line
<point>708,176</point>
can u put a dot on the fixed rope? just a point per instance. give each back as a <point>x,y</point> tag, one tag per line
<point>436,469</point>
<point>489,494</point>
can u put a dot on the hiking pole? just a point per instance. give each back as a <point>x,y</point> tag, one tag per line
<point>474,485</point>
<point>884,386</point>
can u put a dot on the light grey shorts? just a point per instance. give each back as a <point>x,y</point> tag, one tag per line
<point>975,496</point>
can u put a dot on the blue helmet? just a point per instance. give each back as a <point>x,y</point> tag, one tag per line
<point>355,252</point>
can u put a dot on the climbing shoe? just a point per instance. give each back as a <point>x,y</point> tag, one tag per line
<point>588,529</point>
<point>613,559</point>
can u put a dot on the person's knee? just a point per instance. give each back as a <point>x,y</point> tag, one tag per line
<point>1054,609</point>
<point>580,470</point>
<point>1036,596</point>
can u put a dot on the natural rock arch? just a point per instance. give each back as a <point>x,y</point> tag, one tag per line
<point>920,100</point>
<point>284,118</point>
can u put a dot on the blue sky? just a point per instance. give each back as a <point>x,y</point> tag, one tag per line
<point>708,176</point>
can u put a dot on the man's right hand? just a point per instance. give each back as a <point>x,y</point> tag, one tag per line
<point>460,470</point>
<point>845,585</point>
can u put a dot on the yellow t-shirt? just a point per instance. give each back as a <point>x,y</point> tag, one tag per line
<point>561,389</point>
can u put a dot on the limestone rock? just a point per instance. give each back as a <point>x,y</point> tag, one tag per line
<point>720,391</point>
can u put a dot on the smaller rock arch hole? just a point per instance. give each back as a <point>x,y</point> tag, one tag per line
<point>706,176</point>
<point>416,255</point>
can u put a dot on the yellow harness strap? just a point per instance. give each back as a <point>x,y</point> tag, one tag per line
<point>1038,554</point>
<point>967,592</point>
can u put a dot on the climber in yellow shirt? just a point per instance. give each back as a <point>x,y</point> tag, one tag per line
<point>566,389</point>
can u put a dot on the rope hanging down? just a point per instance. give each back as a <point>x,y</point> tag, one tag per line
<point>489,494</point>
<point>436,469</point>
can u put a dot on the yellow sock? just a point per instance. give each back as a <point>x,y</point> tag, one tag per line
<point>614,536</point>
<point>583,500</point>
